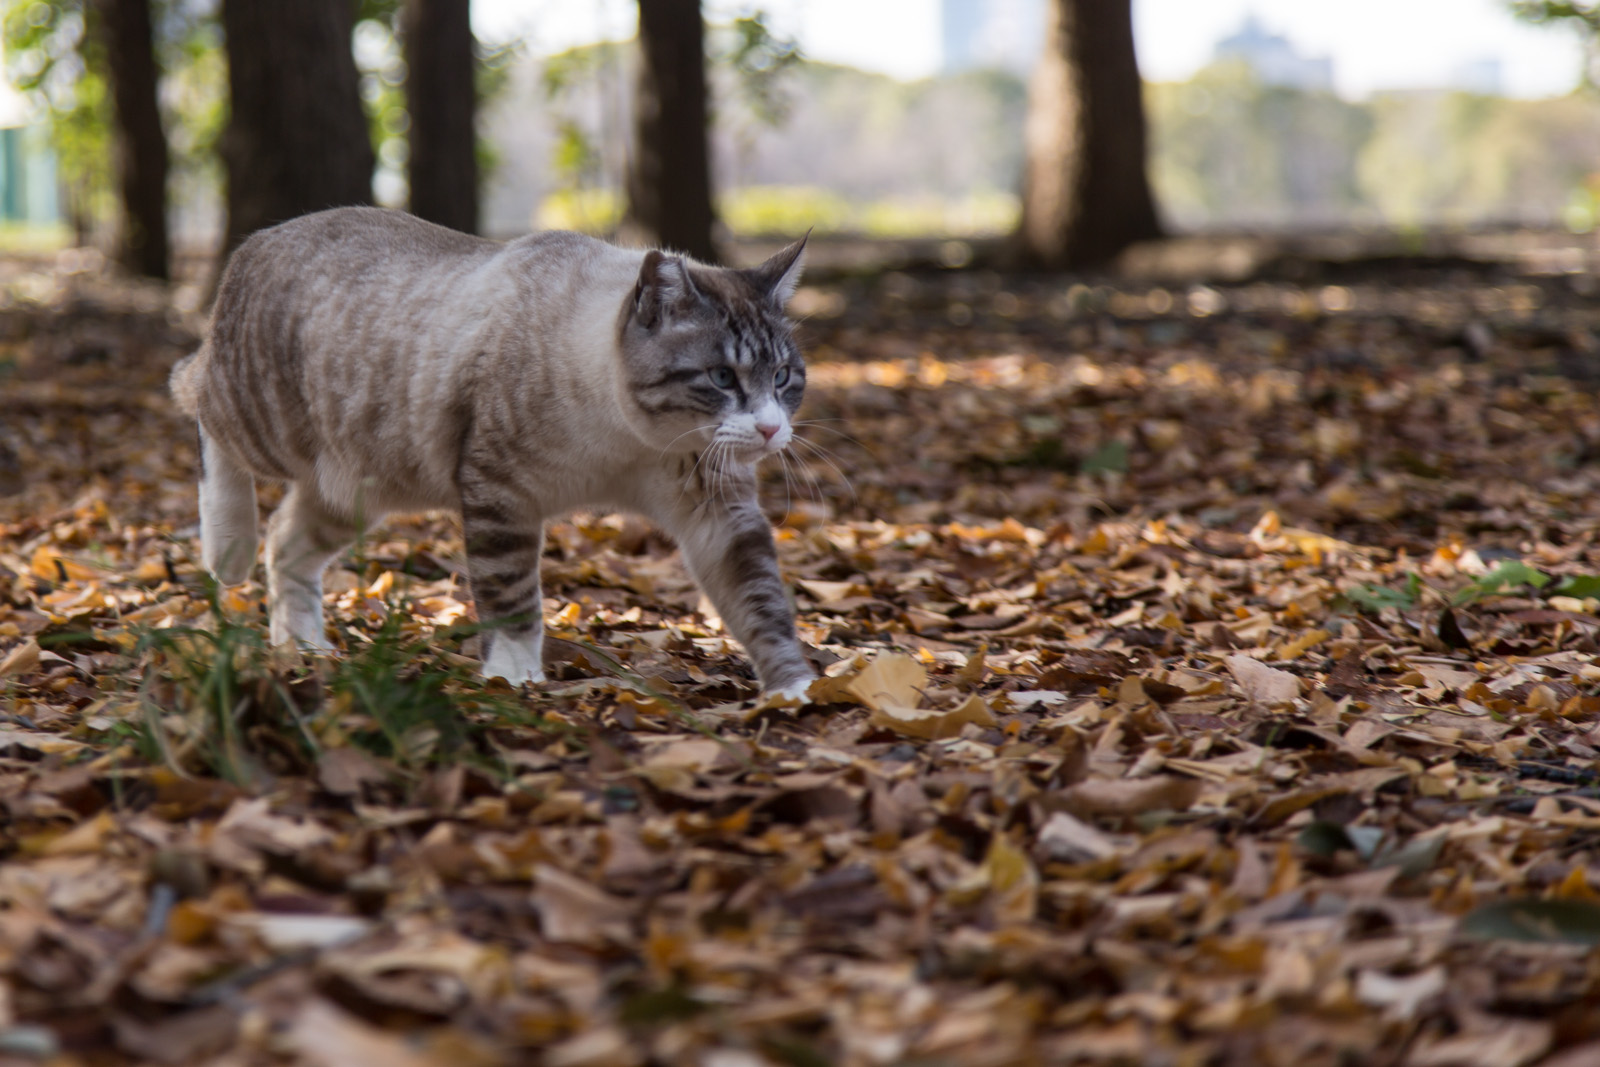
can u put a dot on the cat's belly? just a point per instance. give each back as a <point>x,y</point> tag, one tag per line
<point>382,484</point>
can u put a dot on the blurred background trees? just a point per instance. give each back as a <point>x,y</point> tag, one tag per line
<point>669,173</point>
<point>204,119</point>
<point>139,143</point>
<point>296,140</point>
<point>1085,193</point>
<point>442,101</point>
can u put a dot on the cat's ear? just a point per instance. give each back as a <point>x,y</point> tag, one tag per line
<point>664,288</point>
<point>779,276</point>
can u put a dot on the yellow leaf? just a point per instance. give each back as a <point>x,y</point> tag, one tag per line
<point>1302,644</point>
<point>1012,880</point>
<point>50,565</point>
<point>86,837</point>
<point>892,680</point>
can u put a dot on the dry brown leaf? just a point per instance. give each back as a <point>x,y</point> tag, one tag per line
<point>1067,839</point>
<point>573,911</point>
<point>1264,685</point>
<point>1131,796</point>
<point>325,1036</point>
<point>931,725</point>
<point>891,680</point>
<point>21,659</point>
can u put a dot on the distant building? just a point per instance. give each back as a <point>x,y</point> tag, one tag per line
<point>1274,59</point>
<point>28,185</point>
<point>1482,76</point>
<point>1004,34</point>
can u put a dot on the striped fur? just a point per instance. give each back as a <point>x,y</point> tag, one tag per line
<point>379,364</point>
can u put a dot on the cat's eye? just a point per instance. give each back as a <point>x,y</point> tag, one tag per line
<point>723,377</point>
<point>780,379</point>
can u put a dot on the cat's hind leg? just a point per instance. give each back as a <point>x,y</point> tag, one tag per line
<point>228,522</point>
<point>303,537</point>
<point>504,544</point>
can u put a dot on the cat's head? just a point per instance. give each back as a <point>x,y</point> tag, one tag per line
<point>710,355</point>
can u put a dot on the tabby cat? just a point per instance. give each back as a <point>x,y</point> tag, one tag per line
<point>378,363</point>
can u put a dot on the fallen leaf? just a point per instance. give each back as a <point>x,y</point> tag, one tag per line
<point>573,911</point>
<point>1264,685</point>
<point>892,680</point>
<point>931,725</point>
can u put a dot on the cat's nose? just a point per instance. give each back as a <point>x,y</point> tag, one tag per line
<point>768,430</point>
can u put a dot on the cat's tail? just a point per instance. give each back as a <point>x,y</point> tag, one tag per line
<point>185,383</point>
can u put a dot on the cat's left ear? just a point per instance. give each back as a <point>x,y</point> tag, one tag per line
<point>779,276</point>
<point>664,288</point>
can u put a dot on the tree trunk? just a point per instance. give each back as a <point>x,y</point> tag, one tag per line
<point>140,142</point>
<point>441,96</point>
<point>297,139</point>
<point>669,174</point>
<point>1085,194</point>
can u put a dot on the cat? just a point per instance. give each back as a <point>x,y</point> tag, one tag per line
<point>378,363</point>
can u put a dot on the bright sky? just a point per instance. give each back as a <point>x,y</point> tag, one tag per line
<point>1375,44</point>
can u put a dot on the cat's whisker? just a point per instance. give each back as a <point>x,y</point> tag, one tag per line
<point>816,423</point>
<point>809,480</point>
<point>822,454</point>
<point>693,429</point>
<point>788,486</point>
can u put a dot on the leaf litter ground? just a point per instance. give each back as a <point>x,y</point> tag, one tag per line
<point>1209,678</point>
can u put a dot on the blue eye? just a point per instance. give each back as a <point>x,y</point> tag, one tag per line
<point>780,379</point>
<point>723,377</point>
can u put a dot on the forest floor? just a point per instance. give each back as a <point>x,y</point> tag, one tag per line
<point>1210,680</point>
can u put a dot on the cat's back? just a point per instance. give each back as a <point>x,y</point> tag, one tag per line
<point>347,246</point>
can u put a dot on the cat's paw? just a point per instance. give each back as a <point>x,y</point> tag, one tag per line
<point>513,677</point>
<point>794,691</point>
<point>513,661</point>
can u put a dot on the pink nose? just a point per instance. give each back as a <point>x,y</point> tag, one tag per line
<point>768,431</point>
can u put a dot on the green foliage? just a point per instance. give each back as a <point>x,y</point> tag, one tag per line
<point>218,701</point>
<point>759,60</point>
<point>1226,148</point>
<point>1569,922</point>
<point>1109,458</point>
<point>1374,598</point>
<point>1578,585</point>
<point>1507,576</point>
<point>573,84</point>
<point>1585,15</point>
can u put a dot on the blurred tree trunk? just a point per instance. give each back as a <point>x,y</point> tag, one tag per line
<point>1085,194</point>
<point>297,139</point>
<point>669,172</point>
<point>442,98</point>
<point>139,140</point>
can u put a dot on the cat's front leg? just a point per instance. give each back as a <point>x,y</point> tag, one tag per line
<point>730,551</point>
<point>503,549</point>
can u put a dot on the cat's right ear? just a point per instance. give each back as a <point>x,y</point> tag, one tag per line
<point>664,289</point>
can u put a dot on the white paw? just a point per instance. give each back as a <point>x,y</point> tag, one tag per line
<point>795,691</point>
<point>515,661</point>
<point>512,676</point>
<point>304,634</point>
